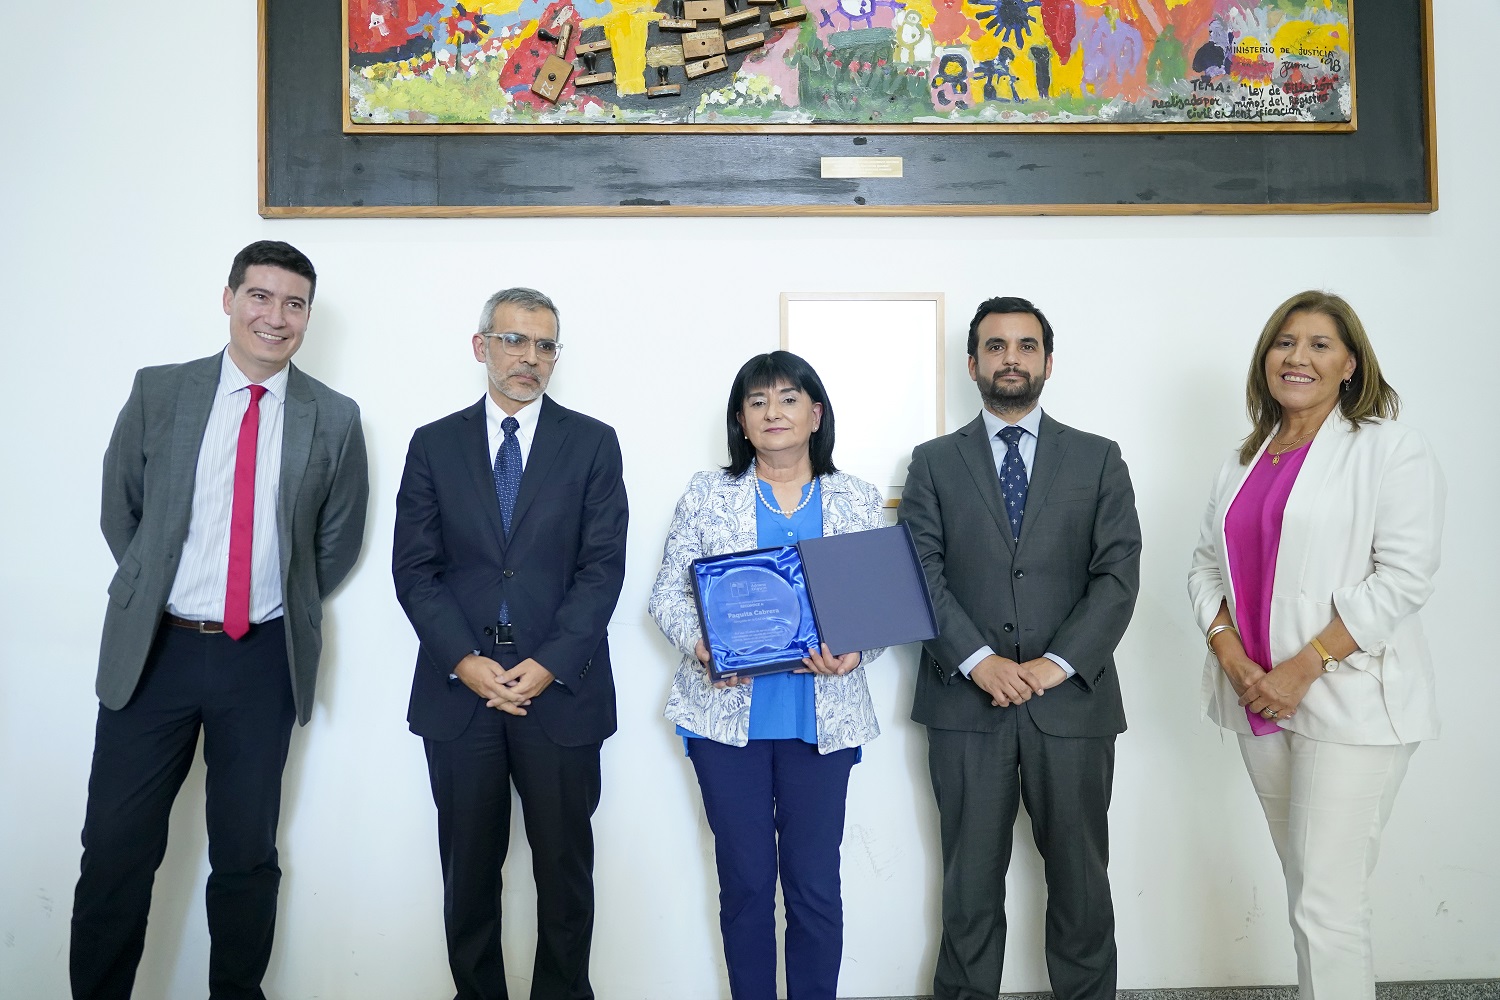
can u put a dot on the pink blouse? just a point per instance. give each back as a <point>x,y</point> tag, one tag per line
<point>1252,530</point>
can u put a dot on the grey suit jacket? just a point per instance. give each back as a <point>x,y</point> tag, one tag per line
<point>149,472</point>
<point>1067,587</point>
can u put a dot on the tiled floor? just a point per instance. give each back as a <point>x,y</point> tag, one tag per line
<point>1487,989</point>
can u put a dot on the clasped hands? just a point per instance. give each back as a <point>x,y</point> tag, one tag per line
<point>1010,683</point>
<point>1281,690</point>
<point>817,661</point>
<point>508,690</point>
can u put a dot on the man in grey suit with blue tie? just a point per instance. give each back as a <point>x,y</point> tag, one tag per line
<point>1029,538</point>
<point>234,501</point>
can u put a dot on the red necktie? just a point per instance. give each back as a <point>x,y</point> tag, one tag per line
<point>242,521</point>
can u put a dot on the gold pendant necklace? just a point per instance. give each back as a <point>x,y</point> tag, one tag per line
<point>1276,455</point>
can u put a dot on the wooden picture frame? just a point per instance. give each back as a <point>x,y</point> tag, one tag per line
<point>852,339</point>
<point>310,168</point>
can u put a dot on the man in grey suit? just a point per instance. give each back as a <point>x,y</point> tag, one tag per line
<point>1028,535</point>
<point>234,501</point>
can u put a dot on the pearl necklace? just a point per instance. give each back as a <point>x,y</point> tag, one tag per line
<point>778,510</point>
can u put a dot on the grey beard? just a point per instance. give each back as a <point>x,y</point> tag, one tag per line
<point>515,394</point>
<point>999,399</point>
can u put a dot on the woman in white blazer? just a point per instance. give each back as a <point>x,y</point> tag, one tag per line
<point>1316,553</point>
<point>772,753</point>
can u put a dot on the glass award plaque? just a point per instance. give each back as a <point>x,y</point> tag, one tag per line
<point>762,610</point>
<point>755,611</point>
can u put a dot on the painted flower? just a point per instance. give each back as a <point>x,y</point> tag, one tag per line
<point>427,26</point>
<point>462,27</point>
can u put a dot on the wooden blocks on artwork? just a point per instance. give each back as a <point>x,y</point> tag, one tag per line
<point>591,76</point>
<point>703,67</point>
<point>553,76</point>
<point>702,44</point>
<point>703,10</point>
<point>744,42</point>
<point>733,18</point>
<point>677,20</point>
<point>589,52</point>
<point>663,88</point>
<point>551,79</point>
<point>786,15</point>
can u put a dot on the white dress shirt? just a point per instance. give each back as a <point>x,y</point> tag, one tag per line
<point>993,425</point>
<point>203,574</point>
<point>526,416</point>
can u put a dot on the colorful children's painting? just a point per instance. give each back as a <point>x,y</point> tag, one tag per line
<point>421,65</point>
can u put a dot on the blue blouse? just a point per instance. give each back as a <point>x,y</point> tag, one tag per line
<point>782,705</point>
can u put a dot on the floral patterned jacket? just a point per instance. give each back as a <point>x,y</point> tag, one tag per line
<point>717,515</point>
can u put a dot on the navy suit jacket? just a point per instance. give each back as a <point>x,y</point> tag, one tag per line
<point>560,570</point>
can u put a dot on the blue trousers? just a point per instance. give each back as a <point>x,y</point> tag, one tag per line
<point>777,806</point>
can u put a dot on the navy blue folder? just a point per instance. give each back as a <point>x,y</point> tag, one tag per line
<point>866,590</point>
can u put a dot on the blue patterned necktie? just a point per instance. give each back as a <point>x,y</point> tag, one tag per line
<point>1013,479</point>
<point>507,484</point>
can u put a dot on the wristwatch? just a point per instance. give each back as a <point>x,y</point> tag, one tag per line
<point>1329,663</point>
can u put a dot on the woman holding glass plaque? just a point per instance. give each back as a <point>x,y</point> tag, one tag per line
<point>773,753</point>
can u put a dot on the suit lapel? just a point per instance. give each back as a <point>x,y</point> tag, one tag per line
<point>299,414</point>
<point>475,448</point>
<point>1051,449</point>
<point>551,435</point>
<point>974,446</point>
<point>1324,452</point>
<point>195,400</point>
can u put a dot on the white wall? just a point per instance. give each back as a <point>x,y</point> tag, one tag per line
<point>123,205</point>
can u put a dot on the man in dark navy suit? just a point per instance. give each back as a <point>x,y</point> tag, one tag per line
<point>509,557</point>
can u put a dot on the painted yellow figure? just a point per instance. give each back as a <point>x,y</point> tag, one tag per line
<point>625,27</point>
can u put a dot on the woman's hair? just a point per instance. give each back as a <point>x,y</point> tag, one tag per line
<point>772,371</point>
<point>1367,396</point>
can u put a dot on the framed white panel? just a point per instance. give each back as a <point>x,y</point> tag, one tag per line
<point>880,356</point>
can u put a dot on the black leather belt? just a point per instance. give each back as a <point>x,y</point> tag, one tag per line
<point>206,628</point>
<point>504,635</point>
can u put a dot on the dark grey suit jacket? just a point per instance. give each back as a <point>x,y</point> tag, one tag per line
<point>1067,587</point>
<point>149,473</point>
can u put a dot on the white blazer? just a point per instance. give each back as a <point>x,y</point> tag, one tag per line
<point>717,515</point>
<point>1360,538</point>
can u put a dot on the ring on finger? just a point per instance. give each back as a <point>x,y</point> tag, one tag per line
<point>1269,713</point>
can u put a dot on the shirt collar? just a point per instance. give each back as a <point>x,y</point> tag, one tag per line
<point>526,416</point>
<point>1031,423</point>
<point>231,379</point>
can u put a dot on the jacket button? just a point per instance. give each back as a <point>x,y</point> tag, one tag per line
<point>508,573</point>
<point>1018,574</point>
<point>1008,627</point>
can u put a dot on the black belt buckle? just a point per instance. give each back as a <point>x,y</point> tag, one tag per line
<point>504,635</point>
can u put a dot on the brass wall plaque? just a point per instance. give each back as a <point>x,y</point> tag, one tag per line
<point>838,167</point>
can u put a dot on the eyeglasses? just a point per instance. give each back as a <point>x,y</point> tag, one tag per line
<point>519,343</point>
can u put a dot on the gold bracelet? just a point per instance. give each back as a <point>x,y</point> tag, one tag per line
<point>1216,630</point>
<point>1329,663</point>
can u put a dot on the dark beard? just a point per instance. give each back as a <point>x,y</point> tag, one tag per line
<point>1001,399</point>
